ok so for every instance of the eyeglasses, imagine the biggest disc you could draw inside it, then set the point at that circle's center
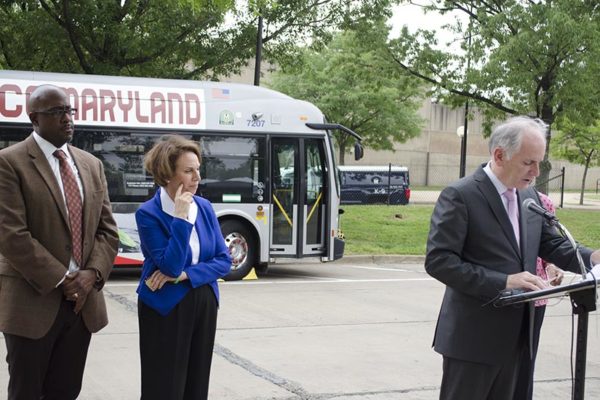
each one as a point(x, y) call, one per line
point(59, 111)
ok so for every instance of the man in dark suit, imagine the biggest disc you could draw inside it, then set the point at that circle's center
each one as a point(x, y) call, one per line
point(476, 251)
point(58, 240)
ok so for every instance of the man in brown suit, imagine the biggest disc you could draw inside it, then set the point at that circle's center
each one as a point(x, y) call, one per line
point(58, 240)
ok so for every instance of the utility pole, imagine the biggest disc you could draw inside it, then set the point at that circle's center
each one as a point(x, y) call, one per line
point(463, 143)
point(259, 43)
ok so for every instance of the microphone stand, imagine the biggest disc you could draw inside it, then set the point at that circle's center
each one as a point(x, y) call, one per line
point(582, 303)
point(565, 232)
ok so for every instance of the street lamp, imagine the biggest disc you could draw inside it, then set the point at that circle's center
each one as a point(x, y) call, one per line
point(462, 133)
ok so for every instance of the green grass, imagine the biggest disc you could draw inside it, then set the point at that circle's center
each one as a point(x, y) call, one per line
point(584, 225)
point(379, 229)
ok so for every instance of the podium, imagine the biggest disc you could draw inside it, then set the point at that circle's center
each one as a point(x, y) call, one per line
point(583, 296)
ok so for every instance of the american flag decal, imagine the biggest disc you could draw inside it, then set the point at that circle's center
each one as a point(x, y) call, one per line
point(220, 93)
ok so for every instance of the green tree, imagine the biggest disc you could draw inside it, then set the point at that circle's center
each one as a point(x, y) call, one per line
point(578, 142)
point(354, 83)
point(536, 58)
point(168, 38)
point(290, 22)
point(129, 37)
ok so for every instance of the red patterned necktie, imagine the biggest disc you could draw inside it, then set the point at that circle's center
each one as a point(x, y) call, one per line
point(74, 204)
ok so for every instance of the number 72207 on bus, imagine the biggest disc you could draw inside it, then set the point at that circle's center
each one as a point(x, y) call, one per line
point(268, 163)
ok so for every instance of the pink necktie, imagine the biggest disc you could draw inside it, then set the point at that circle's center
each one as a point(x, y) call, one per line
point(74, 204)
point(513, 212)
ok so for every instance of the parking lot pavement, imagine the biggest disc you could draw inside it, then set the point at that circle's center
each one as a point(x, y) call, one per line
point(322, 331)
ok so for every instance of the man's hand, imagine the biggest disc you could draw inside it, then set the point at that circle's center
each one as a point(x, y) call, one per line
point(77, 285)
point(525, 280)
point(79, 302)
point(596, 257)
point(555, 274)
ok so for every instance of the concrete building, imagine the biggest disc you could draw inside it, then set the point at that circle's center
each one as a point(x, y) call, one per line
point(433, 158)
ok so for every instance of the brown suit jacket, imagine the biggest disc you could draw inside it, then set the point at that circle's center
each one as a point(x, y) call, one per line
point(35, 239)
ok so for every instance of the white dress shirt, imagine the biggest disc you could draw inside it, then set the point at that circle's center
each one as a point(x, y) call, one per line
point(48, 149)
point(168, 206)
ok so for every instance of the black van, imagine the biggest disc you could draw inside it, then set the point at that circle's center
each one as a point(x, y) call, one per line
point(374, 184)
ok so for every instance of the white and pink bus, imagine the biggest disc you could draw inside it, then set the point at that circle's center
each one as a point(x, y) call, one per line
point(268, 162)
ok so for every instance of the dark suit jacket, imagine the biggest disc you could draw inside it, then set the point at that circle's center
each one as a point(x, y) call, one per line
point(472, 249)
point(35, 239)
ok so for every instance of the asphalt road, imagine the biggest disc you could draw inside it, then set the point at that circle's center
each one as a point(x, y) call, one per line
point(344, 331)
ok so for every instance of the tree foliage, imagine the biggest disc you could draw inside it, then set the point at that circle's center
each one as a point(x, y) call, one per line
point(167, 38)
point(535, 58)
point(353, 81)
point(130, 37)
point(579, 143)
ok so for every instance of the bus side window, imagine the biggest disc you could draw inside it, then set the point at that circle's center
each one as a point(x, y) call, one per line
point(232, 169)
point(122, 154)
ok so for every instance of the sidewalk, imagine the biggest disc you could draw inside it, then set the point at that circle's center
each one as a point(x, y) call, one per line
point(571, 199)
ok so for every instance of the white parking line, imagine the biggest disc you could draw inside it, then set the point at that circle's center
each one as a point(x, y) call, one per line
point(113, 284)
point(266, 281)
point(338, 280)
point(382, 269)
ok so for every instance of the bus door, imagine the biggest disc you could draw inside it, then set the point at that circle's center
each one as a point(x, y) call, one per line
point(299, 197)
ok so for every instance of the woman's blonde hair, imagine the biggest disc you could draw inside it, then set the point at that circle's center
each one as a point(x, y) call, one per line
point(161, 160)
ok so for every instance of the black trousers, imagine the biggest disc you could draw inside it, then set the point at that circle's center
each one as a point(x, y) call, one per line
point(50, 368)
point(524, 389)
point(465, 380)
point(176, 350)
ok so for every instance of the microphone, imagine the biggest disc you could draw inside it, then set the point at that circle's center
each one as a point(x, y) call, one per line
point(531, 205)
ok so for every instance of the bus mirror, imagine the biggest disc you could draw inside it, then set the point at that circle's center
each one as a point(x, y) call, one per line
point(358, 151)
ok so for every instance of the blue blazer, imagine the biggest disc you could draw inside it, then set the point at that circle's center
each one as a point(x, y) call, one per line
point(165, 244)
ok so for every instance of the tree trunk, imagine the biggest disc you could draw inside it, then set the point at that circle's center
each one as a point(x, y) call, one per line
point(541, 183)
point(342, 152)
point(588, 159)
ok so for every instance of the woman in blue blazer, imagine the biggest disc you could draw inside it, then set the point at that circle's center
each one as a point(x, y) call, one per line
point(184, 255)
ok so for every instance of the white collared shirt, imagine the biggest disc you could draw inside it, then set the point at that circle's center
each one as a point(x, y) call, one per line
point(500, 187)
point(168, 206)
point(48, 149)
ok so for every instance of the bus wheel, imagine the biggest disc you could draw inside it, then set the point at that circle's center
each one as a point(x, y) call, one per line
point(242, 248)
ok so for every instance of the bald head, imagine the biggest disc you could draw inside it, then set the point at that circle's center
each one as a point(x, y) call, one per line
point(41, 95)
point(51, 114)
